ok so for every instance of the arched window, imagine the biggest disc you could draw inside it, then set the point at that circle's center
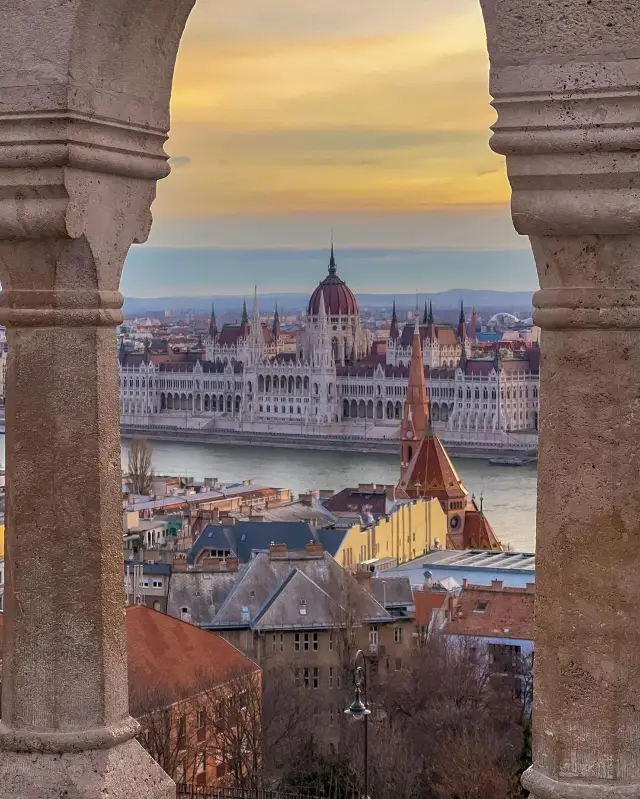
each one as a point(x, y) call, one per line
point(261, 384)
point(276, 383)
point(345, 409)
point(477, 393)
point(306, 384)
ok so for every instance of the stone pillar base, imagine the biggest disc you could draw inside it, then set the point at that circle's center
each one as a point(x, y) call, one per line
point(543, 787)
point(125, 771)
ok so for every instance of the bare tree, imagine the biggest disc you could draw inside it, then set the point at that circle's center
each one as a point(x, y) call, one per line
point(140, 466)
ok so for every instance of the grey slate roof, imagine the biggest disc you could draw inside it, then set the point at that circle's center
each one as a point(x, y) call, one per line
point(391, 591)
point(243, 538)
point(269, 592)
point(201, 592)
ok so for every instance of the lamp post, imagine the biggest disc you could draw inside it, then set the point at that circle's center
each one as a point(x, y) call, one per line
point(359, 710)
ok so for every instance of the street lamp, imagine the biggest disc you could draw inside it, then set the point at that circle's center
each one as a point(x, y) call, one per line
point(358, 709)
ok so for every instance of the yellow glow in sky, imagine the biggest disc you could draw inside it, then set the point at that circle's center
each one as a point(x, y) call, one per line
point(284, 106)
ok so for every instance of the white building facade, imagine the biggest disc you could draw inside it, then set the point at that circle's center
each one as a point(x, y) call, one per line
point(337, 382)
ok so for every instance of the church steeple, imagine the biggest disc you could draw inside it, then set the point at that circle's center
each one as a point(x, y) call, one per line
point(416, 408)
point(213, 327)
point(430, 320)
point(462, 319)
point(425, 315)
point(394, 330)
point(275, 331)
point(462, 323)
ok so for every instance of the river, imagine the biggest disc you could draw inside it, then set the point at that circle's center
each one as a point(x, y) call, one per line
point(509, 492)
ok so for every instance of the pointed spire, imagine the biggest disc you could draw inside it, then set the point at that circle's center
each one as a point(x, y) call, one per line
point(394, 330)
point(462, 319)
point(213, 327)
point(322, 312)
point(463, 356)
point(275, 330)
point(255, 313)
point(431, 319)
point(462, 324)
point(416, 408)
point(425, 315)
point(245, 316)
point(333, 268)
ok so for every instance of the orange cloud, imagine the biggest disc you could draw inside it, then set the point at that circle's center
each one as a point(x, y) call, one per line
point(354, 121)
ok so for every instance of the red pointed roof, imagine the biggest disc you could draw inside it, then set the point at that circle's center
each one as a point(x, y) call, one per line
point(416, 408)
point(431, 473)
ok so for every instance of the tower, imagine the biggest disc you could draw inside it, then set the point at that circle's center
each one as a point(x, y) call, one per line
point(213, 327)
point(394, 331)
point(462, 323)
point(275, 330)
point(415, 418)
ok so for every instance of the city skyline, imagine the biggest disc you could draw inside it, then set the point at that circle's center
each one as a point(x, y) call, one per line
point(290, 120)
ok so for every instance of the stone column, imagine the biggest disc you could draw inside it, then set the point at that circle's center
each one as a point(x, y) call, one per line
point(565, 80)
point(65, 729)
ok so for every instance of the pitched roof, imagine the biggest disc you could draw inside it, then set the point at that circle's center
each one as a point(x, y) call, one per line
point(265, 594)
point(477, 532)
point(426, 602)
point(495, 612)
point(243, 538)
point(431, 473)
point(173, 656)
point(202, 593)
point(353, 500)
point(391, 590)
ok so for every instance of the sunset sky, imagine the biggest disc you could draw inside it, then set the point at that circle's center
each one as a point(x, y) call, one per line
point(291, 118)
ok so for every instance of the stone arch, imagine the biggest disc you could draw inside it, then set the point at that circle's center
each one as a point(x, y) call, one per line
point(214, 403)
point(379, 409)
point(345, 408)
point(435, 412)
point(221, 403)
point(163, 401)
point(444, 412)
point(260, 384)
point(183, 402)
point(354, 409)
point(306, 384)
point(207, 403)
point(229, 403)
point(198, 403)
point(298, 383)
point(389, 410)
point(238, 403)
point(190, 402)
point(267, 384)
point(291, 385)
point(398, 410)
point(276, 383)
point(370, 409)
point(362, 409)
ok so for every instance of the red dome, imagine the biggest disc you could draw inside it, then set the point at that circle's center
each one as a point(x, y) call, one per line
point(339, 300)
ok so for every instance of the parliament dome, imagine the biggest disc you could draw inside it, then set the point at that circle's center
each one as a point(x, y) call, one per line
point(339, 300)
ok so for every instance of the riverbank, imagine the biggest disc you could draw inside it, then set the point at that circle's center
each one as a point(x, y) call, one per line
point(279, 440)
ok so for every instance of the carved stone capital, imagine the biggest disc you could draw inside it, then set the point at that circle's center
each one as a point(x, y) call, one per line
point(75, 193)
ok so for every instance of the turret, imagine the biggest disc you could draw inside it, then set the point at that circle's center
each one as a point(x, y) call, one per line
point(394, 331)
point(462, 323)
point(275, 330)
point(213, 327)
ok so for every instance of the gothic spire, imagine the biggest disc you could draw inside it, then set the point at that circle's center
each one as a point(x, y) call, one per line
point(430, 320)
point(425, 315)
point(276, 324)
point(245, 316)
point(213, 327)
point(333, 268)
point(394, 331)
point(462, 319)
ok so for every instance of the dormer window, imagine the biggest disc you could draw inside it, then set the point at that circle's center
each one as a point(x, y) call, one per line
point(480, 606)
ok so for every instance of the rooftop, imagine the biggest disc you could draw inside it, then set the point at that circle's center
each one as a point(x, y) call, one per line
point(494, 611)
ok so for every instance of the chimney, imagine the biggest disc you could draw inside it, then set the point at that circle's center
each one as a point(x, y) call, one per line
point(363, 576)
point(366, 488)
point(314, 548)
point(464, 583)
point(278, 550)
point(308, 499)
point(497, 585)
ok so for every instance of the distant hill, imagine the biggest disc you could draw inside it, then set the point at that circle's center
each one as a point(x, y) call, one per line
point(482, 299)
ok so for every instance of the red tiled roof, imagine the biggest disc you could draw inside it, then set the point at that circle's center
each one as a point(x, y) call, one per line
point(173, 656)
point(426, 602)
point(508, 612)
point(351, 500)
point(431, 470)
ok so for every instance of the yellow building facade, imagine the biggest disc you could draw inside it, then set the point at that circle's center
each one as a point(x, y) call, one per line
point(411, 530)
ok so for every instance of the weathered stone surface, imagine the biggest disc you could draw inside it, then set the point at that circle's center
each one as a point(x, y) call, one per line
point(565, 80)
point(84, 110)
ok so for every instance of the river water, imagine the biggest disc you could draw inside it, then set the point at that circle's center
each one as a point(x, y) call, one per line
point(509, 492)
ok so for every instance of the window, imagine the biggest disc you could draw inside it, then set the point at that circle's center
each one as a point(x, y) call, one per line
point(480, 606)
point(145, 582)
point(306, 676)
point(398, 664)
point(504, 658)
point(316, 677)
point(202, 765)
point(373, 635)
point(282, 642)
point(397, 635)
point(331, 638)
point(298, 673)
point(305, 642)
point(201, 719)
point(182, 732)
point(314, 640)
point(296, 644)
point(274, 643)
point(157, 583)
point(330, 676)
